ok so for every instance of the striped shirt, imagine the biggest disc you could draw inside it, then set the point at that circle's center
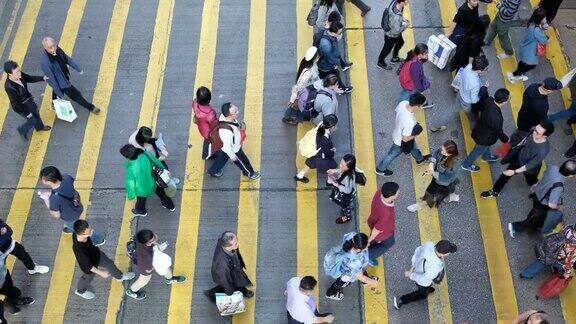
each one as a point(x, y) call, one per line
point(508, 9)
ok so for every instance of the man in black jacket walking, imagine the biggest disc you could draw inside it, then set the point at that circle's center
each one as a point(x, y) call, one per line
point(21, 99)
point(228, 269)
point(488, 130)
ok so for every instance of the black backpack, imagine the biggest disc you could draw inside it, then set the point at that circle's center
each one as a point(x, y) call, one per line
point(131, 251)
point(385, 24)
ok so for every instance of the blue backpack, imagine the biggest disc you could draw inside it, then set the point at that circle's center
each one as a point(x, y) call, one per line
point(333, 261)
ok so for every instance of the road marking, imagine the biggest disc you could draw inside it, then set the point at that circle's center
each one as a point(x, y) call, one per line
point(375, 301)
point(10, 26)
point(190, 206)
point(148, 116)
point(500, 276)
point(64, 263)
point(439, 307)
point(18, 53)
point(306, 194)
point(249, 196)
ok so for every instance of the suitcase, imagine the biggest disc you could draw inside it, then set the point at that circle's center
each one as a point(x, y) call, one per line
point(440, 49)
point(553, 287)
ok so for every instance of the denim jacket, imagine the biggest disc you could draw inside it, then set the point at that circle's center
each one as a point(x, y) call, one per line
point(444, 176)
point(329, 52)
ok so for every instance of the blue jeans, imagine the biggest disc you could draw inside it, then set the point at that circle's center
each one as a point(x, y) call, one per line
point(566, 113)
point(477, 151)
point(377, 249)
point(535, 267)
point(96, 237)
point(393, 153)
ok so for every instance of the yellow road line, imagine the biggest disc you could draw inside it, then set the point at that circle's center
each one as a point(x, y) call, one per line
point(64, 263)
point(249, 196)
point(306, 194)
point(439, 307)
point(10, 26)
point(488, 214)
point(18, 52)
point(375, 301)
point(190, 206)
point(148, 116)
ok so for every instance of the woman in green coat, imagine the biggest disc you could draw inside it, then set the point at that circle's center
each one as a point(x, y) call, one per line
point(139, 181)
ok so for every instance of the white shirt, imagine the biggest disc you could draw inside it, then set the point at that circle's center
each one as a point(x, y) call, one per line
point(297, 303)
point(405, 122)
point(470, 84)
point(427, 265)
point(231, 141)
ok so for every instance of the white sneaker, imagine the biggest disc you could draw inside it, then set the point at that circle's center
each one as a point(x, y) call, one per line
point(454, 197)
point(522, 78)
point(39, 269)
point(127, 276)
point(511, 230)
point(86, 295)
point(502, 56)
point(414, 207)
point(511, 77)
point(176, 181)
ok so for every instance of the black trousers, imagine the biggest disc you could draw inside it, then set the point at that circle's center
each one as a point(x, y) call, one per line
point(523, 68)
point(420, 293)
point(358, 3)
point(20, 253)
point(530, 176)
point(35, 121)
point(323, 74)
point(389, 43)
point(243, 163)
point(166, 201)
point(76, 96)
point(219, 289)
point(10, 291)
point(336, 287)
point(291, 320)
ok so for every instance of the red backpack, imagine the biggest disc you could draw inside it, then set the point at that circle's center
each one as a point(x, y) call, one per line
point(216, 143)
point(404, 75)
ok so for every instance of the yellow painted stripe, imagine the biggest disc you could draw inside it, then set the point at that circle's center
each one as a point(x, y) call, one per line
point(439, 308)
point(10, 26)
point(249, 196)
point(375, 301)
point(18, 52)
point(488, 214)
point(190, 207)
point(148, 116)
point(64, 263)
point(306, 194)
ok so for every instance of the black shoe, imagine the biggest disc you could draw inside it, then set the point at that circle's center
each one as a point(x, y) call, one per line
point(486, 1)
point(346, 66)
point(136, 213)
point(384, 66)
point(248, 294)
point(303, 179)
point(95, 110)
point(489, 194)
point(46, 128)
point(364, 13)
point(66, 230)
point(570, 153)
point(571, 120)
point(396, 60)
point(424, 159)
point(210, 296)
point(15, 310)
point(24, 135)
point(347, 89)
point(385, 173)
point(397, 303)
point(290, 121)
point(170, 208)
point(25, 301)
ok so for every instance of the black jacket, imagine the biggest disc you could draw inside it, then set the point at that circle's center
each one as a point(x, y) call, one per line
point(534, 108)
point(228, 271)
point(488, 129)
point(21, 99)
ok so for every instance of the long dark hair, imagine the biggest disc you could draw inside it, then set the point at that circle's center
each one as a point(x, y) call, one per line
point(304, 64)
point(359, 241)
point(328, 3)
point(420, 48)
point(451, 149)
point(350, 161)
point(144, 136)
point(537, 16)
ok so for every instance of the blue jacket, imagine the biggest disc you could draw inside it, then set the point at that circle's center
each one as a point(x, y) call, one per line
point(527, 50)
point(329, 53)
point(444, 176)
point(58, 79)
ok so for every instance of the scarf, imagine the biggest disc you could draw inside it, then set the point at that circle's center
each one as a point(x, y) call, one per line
point(59, 58)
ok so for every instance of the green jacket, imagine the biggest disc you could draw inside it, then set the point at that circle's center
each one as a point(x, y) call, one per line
point(139, 180)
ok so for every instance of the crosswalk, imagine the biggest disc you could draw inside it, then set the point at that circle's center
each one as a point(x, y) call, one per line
point(265, 90)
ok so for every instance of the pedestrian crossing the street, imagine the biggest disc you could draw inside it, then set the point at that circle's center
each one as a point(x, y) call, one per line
point(142, 65)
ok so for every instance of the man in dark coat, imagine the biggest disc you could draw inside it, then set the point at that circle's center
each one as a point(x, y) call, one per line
point(488, 130)
point(228, 269)
point(55, 65)
point(21, 99)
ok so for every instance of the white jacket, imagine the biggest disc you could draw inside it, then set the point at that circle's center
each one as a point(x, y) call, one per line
point(427, 265)
point(231, 143)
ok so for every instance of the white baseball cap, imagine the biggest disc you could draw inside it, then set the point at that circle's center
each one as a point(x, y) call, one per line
point(310, 53)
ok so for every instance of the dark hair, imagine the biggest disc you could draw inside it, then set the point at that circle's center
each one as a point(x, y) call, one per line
point(419, 49)
point(144, 236)
point(80, 226)
point(389, 189)
point(548, 126)
point(328, 3)
point(304, 64)
point(334, 16)
point(537, 16)
point(308, 283)
point(416, 99)
point(328, 122)
point(130, 152)
point(350, 161)
point(51, 173)
point(226, 109)
point(335, 26)
point(480, 63)
point(330, 80)
point(10, 66)
point(359, 241)
point(478, 27)
point(568, 168)
point(452, 149)
point(203, 96)
point(144, 135)
point(226, 238)
point(501, 95)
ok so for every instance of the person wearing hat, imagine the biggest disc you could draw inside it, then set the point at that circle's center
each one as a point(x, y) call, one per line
point(427, 268)
point(382, 221)
point(534, 107)
point(307, 74)
point(324, 158)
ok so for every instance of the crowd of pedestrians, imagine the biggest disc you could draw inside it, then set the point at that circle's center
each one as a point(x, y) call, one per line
point(319, 81)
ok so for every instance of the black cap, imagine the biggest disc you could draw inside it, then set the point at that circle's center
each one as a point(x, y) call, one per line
point(445, 246)
point(552, 84)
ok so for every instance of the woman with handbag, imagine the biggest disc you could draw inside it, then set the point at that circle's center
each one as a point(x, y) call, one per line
point(348, 263)
point(307, 74)
point(443, 171)
point(140, 182)
point(343, 182)
point(143, 139)
point(532, 47)
point(205, 116)
point(324, 158)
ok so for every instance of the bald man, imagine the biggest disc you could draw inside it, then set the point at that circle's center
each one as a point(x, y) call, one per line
point(55, 66)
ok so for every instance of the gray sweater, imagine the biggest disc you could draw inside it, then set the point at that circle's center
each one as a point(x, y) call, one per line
point(508, 9)
point(396, 21)
point(323, 104)
point(533, 154)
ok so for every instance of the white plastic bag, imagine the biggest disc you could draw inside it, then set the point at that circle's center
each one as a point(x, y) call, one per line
point(161, 261)
point(568, 77)
point(64, 110)
point(230, 305)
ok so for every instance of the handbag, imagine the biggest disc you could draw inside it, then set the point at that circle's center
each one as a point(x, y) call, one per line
point(553, 287)
point(160, 174)
point(541, 50)
point(339, 198)
point(502, 150)
point(360, 177)
point(514, 152)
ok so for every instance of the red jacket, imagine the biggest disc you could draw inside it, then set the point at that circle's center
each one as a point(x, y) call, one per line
point(206, 118)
